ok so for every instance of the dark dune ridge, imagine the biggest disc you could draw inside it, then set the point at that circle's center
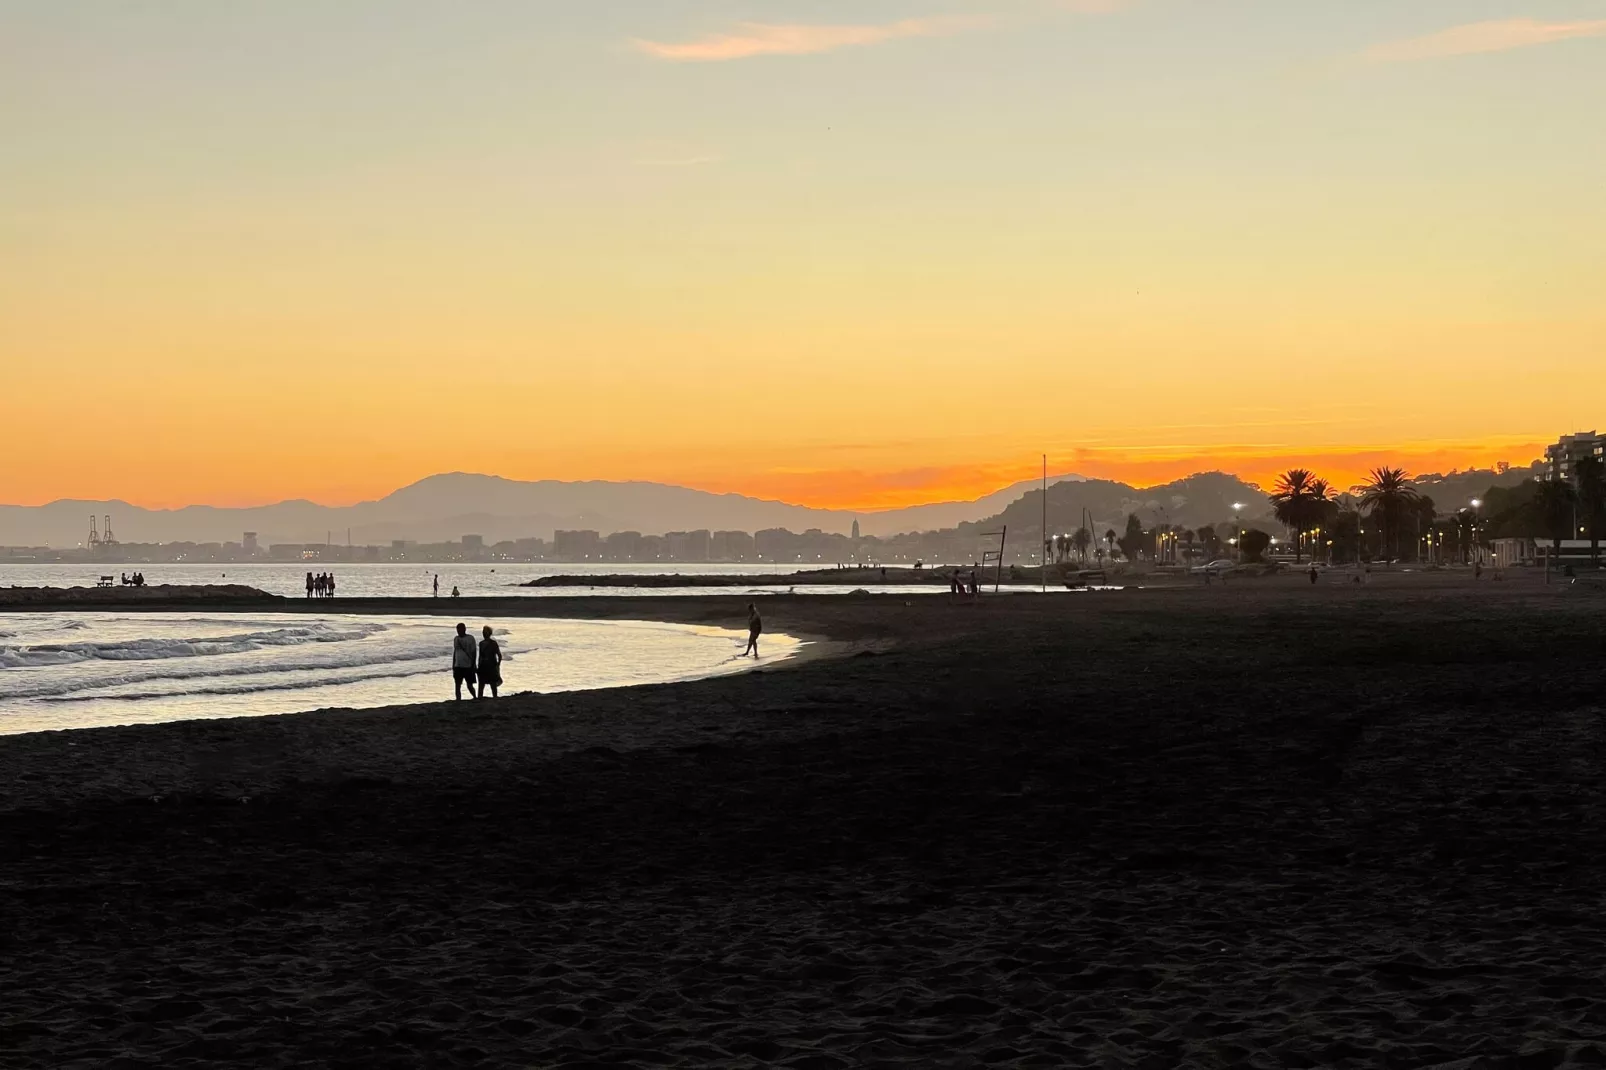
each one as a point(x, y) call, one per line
point(832, 577)
point(184, 596)
point(1261, 825)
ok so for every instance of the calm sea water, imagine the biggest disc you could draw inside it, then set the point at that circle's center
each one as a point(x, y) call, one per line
point(414, 581)
point(78, 670)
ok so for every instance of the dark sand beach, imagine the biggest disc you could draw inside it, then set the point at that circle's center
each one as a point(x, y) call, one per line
point(1264, 825)
point(913, 577)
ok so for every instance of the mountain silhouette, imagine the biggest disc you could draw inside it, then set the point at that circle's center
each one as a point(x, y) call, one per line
point(449, 506)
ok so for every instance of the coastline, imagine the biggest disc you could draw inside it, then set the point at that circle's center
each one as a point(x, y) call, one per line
point(260, 753)
point(1264, 824)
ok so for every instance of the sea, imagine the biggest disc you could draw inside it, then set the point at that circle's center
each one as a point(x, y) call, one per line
point(89, 669)
point(393, 580)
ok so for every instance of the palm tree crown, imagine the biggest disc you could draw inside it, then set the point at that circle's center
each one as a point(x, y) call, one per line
point(1388, 490)
point(1299, 500)
point(1386, 495)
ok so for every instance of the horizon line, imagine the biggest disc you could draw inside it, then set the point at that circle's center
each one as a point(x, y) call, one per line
point(845, 511)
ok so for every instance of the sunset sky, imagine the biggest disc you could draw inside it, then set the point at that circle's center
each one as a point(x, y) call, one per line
point(850, 253)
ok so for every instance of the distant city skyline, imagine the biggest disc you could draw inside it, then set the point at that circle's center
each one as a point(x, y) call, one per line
point(1168, 470)
point(835, 253)
point(964, 483)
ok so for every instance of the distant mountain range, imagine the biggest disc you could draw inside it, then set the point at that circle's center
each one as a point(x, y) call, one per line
point(941, 515)
point(1204, 498)
point(437, 509)
point(447, 507)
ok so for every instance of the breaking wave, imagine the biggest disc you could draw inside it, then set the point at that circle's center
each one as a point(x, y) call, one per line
point(147, 649)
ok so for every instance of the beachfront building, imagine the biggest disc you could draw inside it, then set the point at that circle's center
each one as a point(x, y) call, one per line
point(1570, 552)
point(624, 546)
point(687, 545)
point(1562, 457)
point(1508, 552)
point(576, 545)
point(731, 546)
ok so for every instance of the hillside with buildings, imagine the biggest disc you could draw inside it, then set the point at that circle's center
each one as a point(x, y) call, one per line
point(461, 517)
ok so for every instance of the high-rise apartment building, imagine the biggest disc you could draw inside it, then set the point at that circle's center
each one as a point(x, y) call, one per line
point(1561, 458)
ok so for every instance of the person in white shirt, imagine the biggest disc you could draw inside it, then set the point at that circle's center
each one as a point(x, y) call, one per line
point(464, 651)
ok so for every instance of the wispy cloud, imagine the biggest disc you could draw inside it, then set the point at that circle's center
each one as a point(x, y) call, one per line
point(1498, 35)
point(767, 39)
point(1094, 7)
point(678, 161)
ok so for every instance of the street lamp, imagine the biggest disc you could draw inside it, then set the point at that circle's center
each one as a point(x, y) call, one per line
point(1477, 544)
point(1237, 508)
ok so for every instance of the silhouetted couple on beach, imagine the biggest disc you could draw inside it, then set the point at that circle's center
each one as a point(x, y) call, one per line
point(961, 587)
point(470, 664)
point(322, 585)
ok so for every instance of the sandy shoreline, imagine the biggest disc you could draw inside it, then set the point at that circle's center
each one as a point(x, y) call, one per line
point(1266, 826)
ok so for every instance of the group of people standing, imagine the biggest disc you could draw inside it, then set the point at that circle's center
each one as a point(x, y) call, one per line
point(962, 586)
point(322, 585)
point(473, 665)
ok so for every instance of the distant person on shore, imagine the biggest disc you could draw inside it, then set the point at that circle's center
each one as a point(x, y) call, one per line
point(437, 589)
point(456, 593)
point(463, 656)
point(755, 628)
point(309, 585)
point(331, 585)
point(975, 588)
point(490, 663)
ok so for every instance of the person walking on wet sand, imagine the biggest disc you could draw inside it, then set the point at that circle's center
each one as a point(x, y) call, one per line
point(490, 664)
point(755, 628)
point(309, 585)
point(463, 653)
point(436, 591)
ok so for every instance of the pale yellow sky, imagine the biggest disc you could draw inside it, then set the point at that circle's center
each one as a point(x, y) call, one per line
point(849, 254)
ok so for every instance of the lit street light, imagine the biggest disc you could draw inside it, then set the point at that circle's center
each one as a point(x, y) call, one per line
point(1477, 544)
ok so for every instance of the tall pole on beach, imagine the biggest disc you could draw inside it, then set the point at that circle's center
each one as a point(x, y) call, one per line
point(1042, 562)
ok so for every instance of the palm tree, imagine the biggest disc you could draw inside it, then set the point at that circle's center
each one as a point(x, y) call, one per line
point(1082, 539)
point(1109, 540)
point(1466, 528)
point(1554, 502)
point(1386, 496)
point(1323, 509)
point(1590, 475)
point(1294, 502)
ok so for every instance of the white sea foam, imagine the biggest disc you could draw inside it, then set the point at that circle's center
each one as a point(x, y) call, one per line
point(159, 648)
point(79, 669)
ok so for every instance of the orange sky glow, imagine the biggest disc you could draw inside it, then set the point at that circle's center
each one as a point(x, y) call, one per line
point(855, 262)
